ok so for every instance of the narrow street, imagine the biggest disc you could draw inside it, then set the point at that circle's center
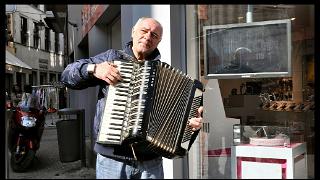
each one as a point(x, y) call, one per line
point(47, 164)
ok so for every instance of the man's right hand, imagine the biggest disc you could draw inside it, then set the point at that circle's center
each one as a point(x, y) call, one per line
point(108, 72)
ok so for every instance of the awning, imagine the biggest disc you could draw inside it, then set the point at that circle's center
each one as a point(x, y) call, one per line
point(13, 60)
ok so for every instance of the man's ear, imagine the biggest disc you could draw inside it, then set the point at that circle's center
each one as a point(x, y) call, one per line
point(132, 31)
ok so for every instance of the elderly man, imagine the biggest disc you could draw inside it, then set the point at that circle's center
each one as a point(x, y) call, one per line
point(118, 161)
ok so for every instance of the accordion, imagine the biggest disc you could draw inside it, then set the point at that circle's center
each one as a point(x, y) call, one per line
point(152, 104)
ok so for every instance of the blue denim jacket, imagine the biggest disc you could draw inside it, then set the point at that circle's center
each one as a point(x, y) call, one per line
point(75, 76)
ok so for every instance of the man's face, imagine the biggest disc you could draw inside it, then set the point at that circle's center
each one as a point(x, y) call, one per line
point(146, 37)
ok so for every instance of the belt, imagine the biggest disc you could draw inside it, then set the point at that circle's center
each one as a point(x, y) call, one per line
point(128, 159)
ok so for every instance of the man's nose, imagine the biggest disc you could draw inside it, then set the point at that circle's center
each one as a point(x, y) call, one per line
point(148, 35)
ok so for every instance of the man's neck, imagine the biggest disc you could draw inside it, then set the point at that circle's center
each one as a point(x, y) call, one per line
point(138, 56)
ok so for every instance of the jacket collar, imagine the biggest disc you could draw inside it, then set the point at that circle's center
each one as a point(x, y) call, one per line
point(155, 55)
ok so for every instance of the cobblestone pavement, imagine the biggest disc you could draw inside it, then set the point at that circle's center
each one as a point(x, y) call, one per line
point(47, 164)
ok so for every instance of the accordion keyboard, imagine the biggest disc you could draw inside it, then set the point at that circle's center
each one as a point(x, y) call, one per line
point(110, 130)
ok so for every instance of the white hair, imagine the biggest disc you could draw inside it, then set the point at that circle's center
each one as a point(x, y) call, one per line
point(144, 18)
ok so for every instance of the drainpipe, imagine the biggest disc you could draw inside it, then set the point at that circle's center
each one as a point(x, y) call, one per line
point(249, 14)
point(67, 49)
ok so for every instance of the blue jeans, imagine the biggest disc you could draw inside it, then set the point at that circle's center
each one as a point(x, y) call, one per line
point(108, 168)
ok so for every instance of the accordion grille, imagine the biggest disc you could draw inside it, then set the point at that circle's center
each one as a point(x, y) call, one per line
point(171, 97)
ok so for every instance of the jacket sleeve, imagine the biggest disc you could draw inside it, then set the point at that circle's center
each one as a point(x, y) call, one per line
point(75, 75)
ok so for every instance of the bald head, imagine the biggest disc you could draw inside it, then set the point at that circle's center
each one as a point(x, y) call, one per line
point(146, 35)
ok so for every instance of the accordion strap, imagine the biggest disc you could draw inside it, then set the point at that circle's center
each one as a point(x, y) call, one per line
point(134, 154)
point(193, 138)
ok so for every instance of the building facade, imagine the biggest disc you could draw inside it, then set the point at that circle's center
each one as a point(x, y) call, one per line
point(184, 46)
point(30, 40)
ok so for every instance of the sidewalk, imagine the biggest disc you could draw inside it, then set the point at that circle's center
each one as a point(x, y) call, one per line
point(47, 164)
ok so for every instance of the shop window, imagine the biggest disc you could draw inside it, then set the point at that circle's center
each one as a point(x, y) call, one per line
point(52, 77)
point(286, 101)
point(43, 78)
point(34, 79)
point(30, 79)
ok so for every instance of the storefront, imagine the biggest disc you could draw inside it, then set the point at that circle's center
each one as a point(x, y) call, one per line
point(277, 41)
point(17, 71)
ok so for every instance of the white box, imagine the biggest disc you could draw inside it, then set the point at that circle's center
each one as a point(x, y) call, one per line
point(271, 162)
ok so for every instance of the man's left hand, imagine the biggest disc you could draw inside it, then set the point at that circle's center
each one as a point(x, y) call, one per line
point(196, 123)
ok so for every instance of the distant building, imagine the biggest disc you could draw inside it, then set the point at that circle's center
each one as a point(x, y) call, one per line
point(35, 52)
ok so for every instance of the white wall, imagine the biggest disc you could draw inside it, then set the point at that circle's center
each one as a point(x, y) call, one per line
point(129, 15)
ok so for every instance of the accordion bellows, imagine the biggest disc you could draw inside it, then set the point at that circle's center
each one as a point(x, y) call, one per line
point(151, 105)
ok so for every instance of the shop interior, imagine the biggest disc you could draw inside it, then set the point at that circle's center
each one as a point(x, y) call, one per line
point(284, 101)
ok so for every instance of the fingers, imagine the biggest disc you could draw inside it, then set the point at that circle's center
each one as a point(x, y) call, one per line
point(108, 72)
point(200, 111)
point(195, 123)
point(113, 75)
